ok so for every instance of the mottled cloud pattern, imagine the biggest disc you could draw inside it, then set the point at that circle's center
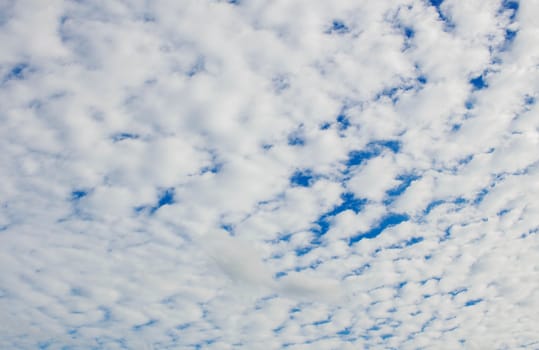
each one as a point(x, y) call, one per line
point(252, 174)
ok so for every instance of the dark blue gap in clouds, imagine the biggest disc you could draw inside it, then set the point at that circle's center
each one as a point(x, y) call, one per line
point(503, 212)
point(345, 331)
point(388, 221)
point(391, 93)
point(409, 32)
point(469, 104)
point(124, 136)
point(480, 196)
point(322, 322)
point(338, 27)
point(343, 122)
point(228, 228)
point(510, 36)
point(325, 126)
point(457, 291)
point(510, 5)
point(78, 194)
point(472, 302)
point(139, 327)
point(17, 72)
point(529, 100)
point(362, 269)
point(512, 8)
point(214, 168)
point(373, 149)
point(295, 139)
point(478, 83)
point(349, 202)
point(166, 197)
point(432, 205)
point(302, 178)
point(406, 180)
point(407, 243)
point(447, 22)
point(322, 224)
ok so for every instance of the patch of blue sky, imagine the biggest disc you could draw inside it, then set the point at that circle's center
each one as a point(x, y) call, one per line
point(214, 168)
point(511, 6)
point(386, 336)
point(433, 205)
point(480, 196)
point(302, 178)
point(124, 136)
point(409, 32)
point(427, 323)
point(228, 228)
point(470, 103)
point(215, 165)
point(165, 197)
point(280, 274)
point(478, 83)
point(391, 93)
point(407, 243)
point(405, 182)
point(141, 326)
point(362, 269)
point(345, 332)
point(304, 250)
point(338, 27)
point(472, 302)
point(321, 322)
point(17, 72)
point(278, 329)
point(348, 202)
point(434, 278)
point(373, 149)
point(509, 38)
point(78, 194)
point(457, 291)
point(422, 79)
point(503, 212)
point(325, 126)
point(388, 221)
point(437, 4)
point(529, 100)
point(296, 138)
point(343, 122)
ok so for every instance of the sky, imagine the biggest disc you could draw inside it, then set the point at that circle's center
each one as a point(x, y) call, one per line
point(284, 174)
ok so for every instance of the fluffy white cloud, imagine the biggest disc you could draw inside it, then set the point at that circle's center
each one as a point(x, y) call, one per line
point(266, 175)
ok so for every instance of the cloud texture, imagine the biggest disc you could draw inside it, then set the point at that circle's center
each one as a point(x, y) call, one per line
point(252, 174)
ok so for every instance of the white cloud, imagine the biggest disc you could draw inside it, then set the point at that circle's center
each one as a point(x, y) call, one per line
point(260, 175)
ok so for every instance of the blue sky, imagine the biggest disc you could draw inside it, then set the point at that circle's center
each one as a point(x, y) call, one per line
point(251, 174)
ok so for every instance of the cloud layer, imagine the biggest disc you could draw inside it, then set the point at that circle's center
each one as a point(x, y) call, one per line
point(268, 175)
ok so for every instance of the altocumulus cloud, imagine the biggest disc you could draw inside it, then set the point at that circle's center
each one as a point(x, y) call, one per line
point(252, 174)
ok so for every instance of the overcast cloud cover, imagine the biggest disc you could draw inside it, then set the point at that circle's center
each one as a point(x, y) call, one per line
point(253, 174)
